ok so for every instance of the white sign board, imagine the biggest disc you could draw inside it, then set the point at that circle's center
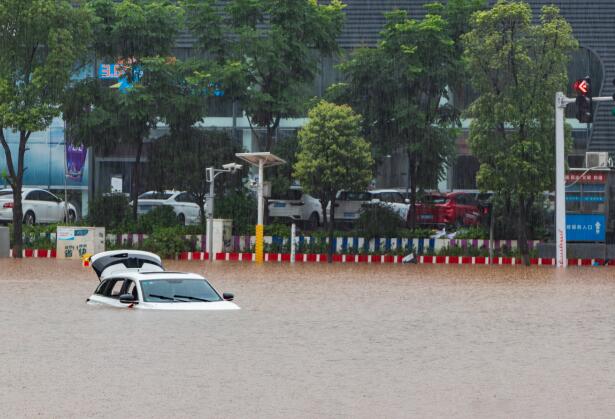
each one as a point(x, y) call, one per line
point(116, 184)
point(74, 242)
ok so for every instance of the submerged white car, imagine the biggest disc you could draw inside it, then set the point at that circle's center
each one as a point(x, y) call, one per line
point(137, 279)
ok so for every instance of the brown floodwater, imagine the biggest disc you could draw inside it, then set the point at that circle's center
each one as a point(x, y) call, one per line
point(349, 341)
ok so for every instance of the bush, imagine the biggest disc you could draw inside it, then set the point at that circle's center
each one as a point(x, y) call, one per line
point(240, 207)
point(166, 242)
point(471, 233)
point(376, 220)
point(277, 229)
point(110, 211)
point(161, 216)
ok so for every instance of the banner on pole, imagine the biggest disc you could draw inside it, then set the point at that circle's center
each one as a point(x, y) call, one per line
point(75, 161)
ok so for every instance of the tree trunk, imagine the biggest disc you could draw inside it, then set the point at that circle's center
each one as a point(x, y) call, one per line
point(17, 197)
point(17, 219)
point(325, 220)
point(522, 231)
point(135, 181)
point(412, 168)
point(331, 227)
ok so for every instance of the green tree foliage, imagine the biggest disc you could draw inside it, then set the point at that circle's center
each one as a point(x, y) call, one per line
point(517, 67)
point(40, 42)
point(332, 155)
point(136, 33)
point(179, 160)
point(401, 87)
point(274, 51)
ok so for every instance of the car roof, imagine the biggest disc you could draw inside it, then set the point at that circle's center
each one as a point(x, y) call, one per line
point(152, 276)
point(23, 190)
point(383, 190)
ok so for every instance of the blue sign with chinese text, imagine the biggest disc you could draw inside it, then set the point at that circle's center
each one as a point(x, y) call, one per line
point(585, 227)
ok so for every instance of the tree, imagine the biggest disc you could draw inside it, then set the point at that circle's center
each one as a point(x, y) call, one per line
point(517, 67)
point(278, 44)
point(40, 43)
point(179, 160)
point(399, 87)
point(332, 156)
point(133, 34)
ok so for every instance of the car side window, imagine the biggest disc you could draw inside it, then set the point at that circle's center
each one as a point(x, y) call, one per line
point(46, 196)
point(102, 287)
point(131, 288)
point(114, 288)
point(32, 196)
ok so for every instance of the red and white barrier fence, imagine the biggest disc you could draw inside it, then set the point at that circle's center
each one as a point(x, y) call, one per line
point(390, 259)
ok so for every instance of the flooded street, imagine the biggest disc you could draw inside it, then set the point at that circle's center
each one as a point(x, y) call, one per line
point(314, 341)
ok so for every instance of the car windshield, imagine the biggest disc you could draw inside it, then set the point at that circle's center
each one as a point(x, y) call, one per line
point(155, 195)
point(435, 199)
point(6, 192)
point(176, 289)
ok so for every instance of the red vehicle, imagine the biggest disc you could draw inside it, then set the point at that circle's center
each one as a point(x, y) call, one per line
point(452, 209)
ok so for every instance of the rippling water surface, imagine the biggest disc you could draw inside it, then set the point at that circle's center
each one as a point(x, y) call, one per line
point(314, 341)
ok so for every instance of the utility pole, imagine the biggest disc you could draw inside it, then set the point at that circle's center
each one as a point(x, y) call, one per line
point(561, 101)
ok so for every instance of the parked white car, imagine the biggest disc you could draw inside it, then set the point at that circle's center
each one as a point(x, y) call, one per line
point(182, 203)
point(297, 206)
point(348, 204)
point(137, 279)
point(38, 206)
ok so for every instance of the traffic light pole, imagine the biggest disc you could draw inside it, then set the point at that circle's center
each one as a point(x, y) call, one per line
point(561, 101)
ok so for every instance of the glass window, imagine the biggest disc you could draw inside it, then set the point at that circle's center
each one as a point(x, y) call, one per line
point(101, 287)
point(33, 196)
point(5, 192)
point(291, 195)
point(172, 289)
point(155, 195)
point(115, 290)
point(358, 196)
point(435, 199)
point(47, 196)
point(131, 288)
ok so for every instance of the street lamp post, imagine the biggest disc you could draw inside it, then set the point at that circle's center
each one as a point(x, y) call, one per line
point(261, 160)
point(210, 175)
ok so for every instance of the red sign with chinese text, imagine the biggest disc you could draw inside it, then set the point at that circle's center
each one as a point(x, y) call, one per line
point(589, 177)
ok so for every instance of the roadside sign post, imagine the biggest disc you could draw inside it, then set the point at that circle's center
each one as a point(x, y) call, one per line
point(561, 101)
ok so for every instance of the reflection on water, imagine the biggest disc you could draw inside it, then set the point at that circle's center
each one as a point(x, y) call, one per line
point(314, 341)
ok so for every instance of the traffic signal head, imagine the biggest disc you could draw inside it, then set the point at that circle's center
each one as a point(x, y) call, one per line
point(583, 87)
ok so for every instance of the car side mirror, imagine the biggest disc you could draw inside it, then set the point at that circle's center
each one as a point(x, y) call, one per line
point(128, 299)
point(228, 296)
point(406, 200)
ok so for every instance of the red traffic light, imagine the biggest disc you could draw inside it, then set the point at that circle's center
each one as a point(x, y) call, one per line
point(581, 86)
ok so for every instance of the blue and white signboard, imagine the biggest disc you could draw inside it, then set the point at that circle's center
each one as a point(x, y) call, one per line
point(585, 227)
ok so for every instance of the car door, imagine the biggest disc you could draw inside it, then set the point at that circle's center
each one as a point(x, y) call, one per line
point(184, 204)
point(54, 205)
point(36, 204)
point(109, 291)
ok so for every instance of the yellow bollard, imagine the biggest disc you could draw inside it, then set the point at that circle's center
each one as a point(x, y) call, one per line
point(259, 247)
point(86, 260)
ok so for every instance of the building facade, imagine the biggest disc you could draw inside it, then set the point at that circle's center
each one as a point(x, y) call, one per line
point(592, 23)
